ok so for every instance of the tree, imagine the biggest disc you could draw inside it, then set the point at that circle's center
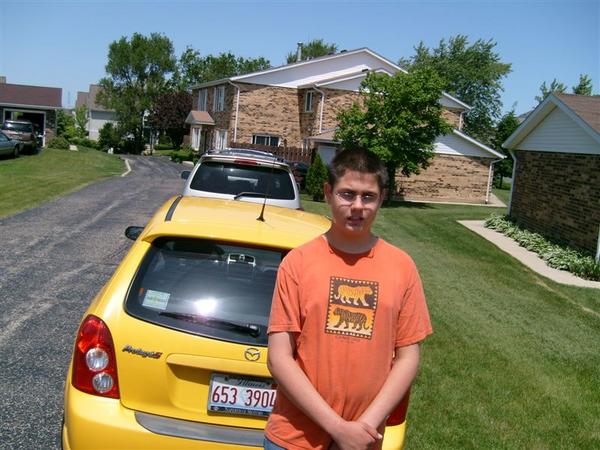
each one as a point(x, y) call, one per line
point(471, 72)
point(312, 49)
point(315, 178)
point(399, 119)
point(169, 113)
point(81, 119)
point(555, 86)
point(138, 71)
point(195, 69)
point(65, 125)
point(505, 127)
point(109, 136)
point(584, 87)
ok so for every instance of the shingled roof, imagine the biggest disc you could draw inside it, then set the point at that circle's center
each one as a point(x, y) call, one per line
point(587, 107)
point(24, 95)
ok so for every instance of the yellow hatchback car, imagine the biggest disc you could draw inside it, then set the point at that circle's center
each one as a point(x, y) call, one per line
point(171, 354)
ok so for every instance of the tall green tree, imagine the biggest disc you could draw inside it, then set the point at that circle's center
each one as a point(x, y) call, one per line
point(505, 127)
point(81, 119)
point(169, 113)
point(545, 91)
point(194, 69)
point(398, 118)
point(584, 87)
point(138, 71)
point(312, 49)
point(471, 72)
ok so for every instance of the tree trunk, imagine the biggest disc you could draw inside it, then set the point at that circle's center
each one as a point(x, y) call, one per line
point(391, 189)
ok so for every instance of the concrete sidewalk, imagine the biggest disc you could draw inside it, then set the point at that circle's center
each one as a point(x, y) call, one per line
point(530, 259)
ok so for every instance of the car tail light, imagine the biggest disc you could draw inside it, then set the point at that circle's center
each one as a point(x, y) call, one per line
point(398, 415)
point(94, 362)
point(248, 162)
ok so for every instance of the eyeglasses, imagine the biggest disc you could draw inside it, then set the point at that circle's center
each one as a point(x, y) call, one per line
point(348, 197)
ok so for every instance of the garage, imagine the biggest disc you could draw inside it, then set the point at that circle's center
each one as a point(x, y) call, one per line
point(37, 104)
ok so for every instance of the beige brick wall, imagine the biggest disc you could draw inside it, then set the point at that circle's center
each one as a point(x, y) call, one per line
point(558, 195)
point(448, 178)
point(269, 110)
point(452, 116)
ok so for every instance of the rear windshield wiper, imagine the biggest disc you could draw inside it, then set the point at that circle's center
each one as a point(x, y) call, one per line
point(250, 328)
point(249, 194)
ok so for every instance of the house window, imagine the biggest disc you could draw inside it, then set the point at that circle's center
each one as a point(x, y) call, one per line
point(308, 102)
point(202, 95)
point(264, 139)
point(221, 139)
point(219, 98)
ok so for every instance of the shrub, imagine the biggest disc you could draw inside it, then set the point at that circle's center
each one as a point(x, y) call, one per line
point(84, 142)
point(109, 137)
point(181, 155)
point(555, 255)
point(163, 146)
point(58, 142)
point(315, 178)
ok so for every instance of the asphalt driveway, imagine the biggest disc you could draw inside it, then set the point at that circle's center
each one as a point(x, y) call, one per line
point(53, 260)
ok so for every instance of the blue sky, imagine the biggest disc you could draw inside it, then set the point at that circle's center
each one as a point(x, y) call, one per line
point(65, 43)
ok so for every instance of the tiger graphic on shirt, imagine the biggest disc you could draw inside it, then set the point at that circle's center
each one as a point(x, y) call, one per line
point(351, 307)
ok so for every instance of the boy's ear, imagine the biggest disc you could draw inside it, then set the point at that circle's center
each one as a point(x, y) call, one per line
point(327, 190)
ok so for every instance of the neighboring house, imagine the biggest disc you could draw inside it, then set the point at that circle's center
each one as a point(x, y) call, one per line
point(556, 175)
point(98, 115)
point(296, 105)
point(37, 104)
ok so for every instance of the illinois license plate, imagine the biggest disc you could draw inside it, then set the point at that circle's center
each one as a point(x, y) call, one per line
point(235, 394)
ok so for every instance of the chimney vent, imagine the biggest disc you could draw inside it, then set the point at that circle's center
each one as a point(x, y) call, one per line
point(299, 52)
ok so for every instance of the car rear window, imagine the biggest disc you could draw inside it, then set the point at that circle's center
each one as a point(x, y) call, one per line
point(215, 289)
point(232, 178)
point(24, 127)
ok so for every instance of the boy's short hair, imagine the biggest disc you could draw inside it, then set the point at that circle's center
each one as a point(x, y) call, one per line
point(360, 160)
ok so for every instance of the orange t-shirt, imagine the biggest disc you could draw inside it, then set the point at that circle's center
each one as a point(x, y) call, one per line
point(347, 314)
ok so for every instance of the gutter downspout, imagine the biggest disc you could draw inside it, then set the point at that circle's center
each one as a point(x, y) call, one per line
point(322, 108)
point(237, 108)
point(489, 183)
point(598, 248)
point(512, 188)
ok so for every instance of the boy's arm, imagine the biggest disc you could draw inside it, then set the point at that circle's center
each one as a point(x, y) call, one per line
point(397, 383)
point(299, 390)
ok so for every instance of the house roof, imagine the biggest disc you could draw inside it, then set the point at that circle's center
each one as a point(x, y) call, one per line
point(325, 70)
point(33, 96)
point(89, 99)
point(455, 143)
point(196, 117)
point(584, 110)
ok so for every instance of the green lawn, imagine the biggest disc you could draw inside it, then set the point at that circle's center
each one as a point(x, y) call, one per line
point(514, 361)
point(502, 194)
point(30, 180)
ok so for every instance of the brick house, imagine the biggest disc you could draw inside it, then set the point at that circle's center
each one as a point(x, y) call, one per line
point(37, 104)
point(296, 105)
point(556, 177)
point(98, 115)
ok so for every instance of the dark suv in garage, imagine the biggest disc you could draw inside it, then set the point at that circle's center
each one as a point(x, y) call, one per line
point(23, 131)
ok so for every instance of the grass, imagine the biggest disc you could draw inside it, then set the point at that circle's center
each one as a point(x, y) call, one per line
point(31, 180)
point(502, 194)
point(513, 361)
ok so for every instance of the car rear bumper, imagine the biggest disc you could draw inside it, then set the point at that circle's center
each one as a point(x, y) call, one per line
point(93, 422)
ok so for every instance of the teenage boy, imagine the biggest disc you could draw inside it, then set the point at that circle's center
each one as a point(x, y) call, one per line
point(347, 317)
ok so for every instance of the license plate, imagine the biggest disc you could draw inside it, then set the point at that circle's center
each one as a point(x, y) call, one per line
point(235, 394)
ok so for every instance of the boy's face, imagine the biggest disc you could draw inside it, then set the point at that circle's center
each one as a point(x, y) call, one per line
point(354, 200)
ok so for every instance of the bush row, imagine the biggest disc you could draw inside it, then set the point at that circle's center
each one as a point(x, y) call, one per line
point(556, 256)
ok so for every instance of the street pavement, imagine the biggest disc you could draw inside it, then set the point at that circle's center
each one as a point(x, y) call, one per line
point(53, 260)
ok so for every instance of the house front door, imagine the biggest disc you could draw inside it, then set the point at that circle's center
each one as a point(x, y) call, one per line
point(196, 134)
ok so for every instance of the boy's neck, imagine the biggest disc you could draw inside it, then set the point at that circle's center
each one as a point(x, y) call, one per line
point(360, 243)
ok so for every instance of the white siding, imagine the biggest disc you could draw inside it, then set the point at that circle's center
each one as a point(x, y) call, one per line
point(451, 144)
point(97, 121)
point(559, 133)
point(313, 72)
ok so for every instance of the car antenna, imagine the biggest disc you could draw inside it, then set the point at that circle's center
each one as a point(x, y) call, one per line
point(262, 211)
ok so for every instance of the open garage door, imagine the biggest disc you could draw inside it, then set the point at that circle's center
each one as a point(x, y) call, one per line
point(38, 119)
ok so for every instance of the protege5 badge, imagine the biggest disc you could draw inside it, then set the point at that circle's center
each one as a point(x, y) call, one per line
point(140, 352)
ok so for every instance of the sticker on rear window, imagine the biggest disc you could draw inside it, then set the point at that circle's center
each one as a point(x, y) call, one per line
point(156, 299)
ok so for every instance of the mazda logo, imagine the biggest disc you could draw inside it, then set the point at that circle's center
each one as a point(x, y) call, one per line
point(252, 354)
